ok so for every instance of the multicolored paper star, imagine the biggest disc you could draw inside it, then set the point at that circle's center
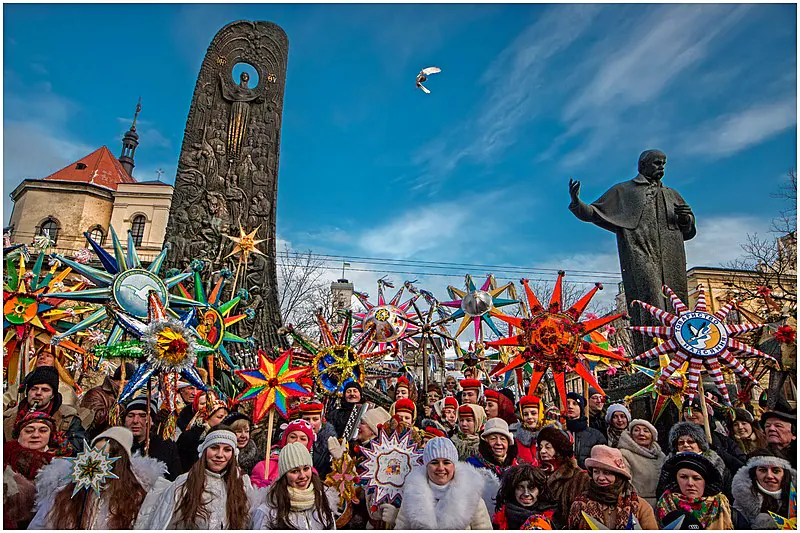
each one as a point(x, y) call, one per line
point(384, 324)
point(271, 384)
point(553, 338)
point(676, 386)
point(700, 338)
point(387, 463)
point(476, 305)
point(789, 522)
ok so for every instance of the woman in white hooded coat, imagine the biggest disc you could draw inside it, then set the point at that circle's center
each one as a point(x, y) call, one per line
point(117, 504)
point(760, 487)
point(444, 494)
point(214, 494)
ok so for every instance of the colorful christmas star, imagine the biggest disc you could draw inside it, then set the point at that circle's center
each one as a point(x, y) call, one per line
point(700, 338)
point(91, 468)
point(383, 324)
point(553, 338)
point(387, 463)
point(122, 284)
point(337, 361)
point(675, 390)
point(271, 384)
point(168, 344)
point(476, 305)
point(343, 478)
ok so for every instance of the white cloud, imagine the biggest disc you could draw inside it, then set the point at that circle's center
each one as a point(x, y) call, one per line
point(719, 239)
point(731, 133)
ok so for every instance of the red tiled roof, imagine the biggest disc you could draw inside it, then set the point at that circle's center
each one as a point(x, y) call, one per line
point(99, 168)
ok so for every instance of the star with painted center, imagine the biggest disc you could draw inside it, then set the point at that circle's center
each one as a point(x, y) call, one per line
point(553, 338)
point(386, 323)
point(476, 305)
point(700, 338)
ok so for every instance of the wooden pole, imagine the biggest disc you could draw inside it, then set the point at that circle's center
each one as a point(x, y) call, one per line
point(704, 409)
point(147, 427)
point(270, 421)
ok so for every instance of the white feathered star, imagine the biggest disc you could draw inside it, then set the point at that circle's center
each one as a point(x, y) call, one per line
point(423, 76)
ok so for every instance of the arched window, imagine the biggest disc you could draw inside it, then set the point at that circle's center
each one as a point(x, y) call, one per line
point(137, 229)
point(50, 227)
point(96, 233)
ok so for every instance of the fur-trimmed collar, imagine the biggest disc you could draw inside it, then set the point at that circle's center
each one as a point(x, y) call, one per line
point(521, 434)
point(626, 442)
point(454, 511)
point(55, 476)
point(747, 499)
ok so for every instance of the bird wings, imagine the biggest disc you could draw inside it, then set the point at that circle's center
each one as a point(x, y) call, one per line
point(431, 70)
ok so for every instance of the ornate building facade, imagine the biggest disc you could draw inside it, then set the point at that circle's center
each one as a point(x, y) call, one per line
point(91, 195)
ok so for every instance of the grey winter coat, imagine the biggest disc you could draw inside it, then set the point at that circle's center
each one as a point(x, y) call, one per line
point(585, 440)
point(644, 464)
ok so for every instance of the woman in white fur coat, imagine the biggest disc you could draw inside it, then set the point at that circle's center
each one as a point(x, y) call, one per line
point(761, 486)
point(445, 494)
point(641, 452)
point(118, 503)
point(214, 494)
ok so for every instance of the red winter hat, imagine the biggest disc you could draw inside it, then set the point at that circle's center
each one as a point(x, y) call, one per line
point(470, 384)
point(402, 381)
point(491, 394)
point(405, 405)
point(299, 425)
point(432, 431)
point(450, 401)
point(466, 410)
point(311, 408)
point(530, 400)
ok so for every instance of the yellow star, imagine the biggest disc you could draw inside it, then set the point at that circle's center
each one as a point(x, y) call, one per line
point(245, 242)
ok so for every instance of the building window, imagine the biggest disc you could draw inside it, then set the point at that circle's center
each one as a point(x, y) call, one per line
point(49, 227)
point(137, 229)
point(96, 234)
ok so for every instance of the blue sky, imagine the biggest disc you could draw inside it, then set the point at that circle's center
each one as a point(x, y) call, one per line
point(475, 172)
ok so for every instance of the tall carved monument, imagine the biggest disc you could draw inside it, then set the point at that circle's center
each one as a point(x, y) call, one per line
point(228, 169)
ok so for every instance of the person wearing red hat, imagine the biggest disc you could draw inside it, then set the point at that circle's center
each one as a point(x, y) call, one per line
point(471, 418)
point(499, 406)
point(470, 391)
point(311, 412)
point(531, 410)
point(402, 389)
point(431, 432)
point(405, 410)
point(296, 431)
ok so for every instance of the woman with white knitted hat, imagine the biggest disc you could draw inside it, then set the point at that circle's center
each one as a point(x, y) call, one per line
point(644, 458)
point(119, 500)
point(213, 494)
point(298, 499)
point(444, 494)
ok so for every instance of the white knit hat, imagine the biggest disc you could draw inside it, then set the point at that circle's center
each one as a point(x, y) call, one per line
point(293, 455)
point(617, 408)
point(639, 422)
point(497, 426)
point(219, 436)
point(439, 448)
point(120, 434)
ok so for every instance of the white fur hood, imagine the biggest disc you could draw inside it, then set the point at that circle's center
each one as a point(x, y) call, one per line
point(747, 499)
point(454, 511)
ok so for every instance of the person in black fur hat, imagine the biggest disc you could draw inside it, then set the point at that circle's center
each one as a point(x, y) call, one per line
point(578, 424)
point(565, 480)
point(40, 388)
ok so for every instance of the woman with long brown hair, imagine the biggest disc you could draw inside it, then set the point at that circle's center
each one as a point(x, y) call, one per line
point(117, 504)
point(213, 494)
point(298, 499)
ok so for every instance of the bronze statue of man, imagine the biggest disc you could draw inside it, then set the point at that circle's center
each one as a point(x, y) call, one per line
point(651, 222)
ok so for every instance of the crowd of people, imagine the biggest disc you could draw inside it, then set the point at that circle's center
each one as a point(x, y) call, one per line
point(490, 461)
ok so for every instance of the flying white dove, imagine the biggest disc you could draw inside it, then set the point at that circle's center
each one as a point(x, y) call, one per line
point(423, 76)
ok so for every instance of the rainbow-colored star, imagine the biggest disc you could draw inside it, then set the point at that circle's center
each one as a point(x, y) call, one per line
point(271, 384)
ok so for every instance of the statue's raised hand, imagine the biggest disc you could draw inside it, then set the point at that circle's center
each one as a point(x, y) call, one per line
point(574, 190)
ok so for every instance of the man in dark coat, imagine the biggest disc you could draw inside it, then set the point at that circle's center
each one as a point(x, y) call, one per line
point(351, 399)
point(136, 419)
point(597, 418)
point(577, 423)
point(780, 427)
point(651, 222)
point(101, 399)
